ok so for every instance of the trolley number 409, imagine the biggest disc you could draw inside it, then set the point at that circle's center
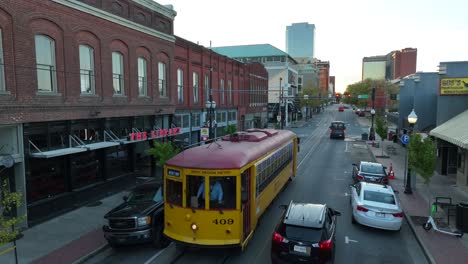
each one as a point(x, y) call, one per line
point(228, 221)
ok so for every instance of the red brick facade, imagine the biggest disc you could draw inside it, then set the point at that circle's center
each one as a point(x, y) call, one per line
point(21, 20)
point(405, 62)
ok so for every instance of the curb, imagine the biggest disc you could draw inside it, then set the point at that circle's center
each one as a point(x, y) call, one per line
point(91, 254)
point(425, 250)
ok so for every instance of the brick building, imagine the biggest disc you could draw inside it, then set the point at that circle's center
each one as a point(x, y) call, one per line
point(84, 86)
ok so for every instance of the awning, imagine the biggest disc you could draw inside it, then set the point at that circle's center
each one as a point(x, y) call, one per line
point(454, 130)
point(57, 152)
point(100, 145)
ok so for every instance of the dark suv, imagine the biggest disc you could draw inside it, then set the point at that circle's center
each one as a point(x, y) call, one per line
point(337, 129)
point(306, 233)
point(370, 172)
point(139, 219)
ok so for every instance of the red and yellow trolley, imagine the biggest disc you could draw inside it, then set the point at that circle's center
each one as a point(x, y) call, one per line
point(242, 174)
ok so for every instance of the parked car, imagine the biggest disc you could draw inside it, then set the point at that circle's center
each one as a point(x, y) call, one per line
point(305, 233)
point(337, 129)
point(370, 172)
point(139, 219)
point(341, 109)
point(375, 205)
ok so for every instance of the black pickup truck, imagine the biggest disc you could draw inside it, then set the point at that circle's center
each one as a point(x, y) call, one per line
point(139, 219)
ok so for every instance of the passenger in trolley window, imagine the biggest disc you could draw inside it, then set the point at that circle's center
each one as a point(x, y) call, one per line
point(216, 193)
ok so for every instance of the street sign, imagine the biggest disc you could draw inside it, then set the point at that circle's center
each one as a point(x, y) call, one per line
point(204, 133)
point(363, 96)
point(278, 117)
point(405, 139)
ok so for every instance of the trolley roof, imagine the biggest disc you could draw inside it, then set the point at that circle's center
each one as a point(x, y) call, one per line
point(234, 151)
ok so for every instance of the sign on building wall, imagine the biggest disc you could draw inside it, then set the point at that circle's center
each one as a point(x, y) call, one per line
point(454, 86)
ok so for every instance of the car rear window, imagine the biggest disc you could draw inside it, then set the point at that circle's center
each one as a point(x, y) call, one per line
point(337, 126)
point(379, 197)
point(376, 169)
point(303, 233)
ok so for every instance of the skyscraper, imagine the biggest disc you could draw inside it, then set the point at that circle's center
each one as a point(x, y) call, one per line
point(300, 40)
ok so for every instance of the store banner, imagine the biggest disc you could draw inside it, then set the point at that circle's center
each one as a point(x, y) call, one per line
point(454, 86)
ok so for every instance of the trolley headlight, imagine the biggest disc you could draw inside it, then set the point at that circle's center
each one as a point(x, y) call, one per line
point(143, 221)
point(194, 227)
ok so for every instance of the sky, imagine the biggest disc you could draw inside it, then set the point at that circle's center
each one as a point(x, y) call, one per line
point(345, 30)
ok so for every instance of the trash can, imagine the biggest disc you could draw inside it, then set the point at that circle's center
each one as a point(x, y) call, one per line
point(390, 135)
point(462, 217)
point(364, 136)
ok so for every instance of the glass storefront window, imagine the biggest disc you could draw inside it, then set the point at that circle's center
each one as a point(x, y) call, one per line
point(58, 135)
point(174, 192)
point(45, 178)
point(117, 162)
point(85, 169)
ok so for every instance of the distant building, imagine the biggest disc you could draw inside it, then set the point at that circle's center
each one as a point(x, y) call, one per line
point(300, 40)
point(395, 65)
point(331, 88)
point(323, 68)
point(374, 67)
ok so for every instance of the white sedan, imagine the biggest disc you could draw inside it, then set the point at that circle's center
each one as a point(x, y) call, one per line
point(375, 205)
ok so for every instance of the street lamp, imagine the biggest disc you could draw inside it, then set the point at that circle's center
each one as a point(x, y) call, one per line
point(211, 105)
point(412, 118)
point(280, 108)
point(372, 132)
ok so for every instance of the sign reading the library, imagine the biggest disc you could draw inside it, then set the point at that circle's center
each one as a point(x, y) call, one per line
point(155, 133)
point(454, 86)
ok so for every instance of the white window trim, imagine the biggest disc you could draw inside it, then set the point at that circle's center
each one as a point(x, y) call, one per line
point(2, 66)
point(144, 90)
point(222, 92)
point(195, 87)
point(53, 66)
point(180, 86)
point(121, 74)
point(162, 85)
point(90, 71)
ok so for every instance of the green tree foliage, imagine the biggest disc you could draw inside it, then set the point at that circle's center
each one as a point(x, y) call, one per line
point(422, 156)
point(365, 88)
point(313, 94)
point(10, 201)
point(162, 152)
point(381, 128)
point(231, 129)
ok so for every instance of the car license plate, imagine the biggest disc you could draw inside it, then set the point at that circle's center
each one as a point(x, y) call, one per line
point(380, 214)
point(300, 249)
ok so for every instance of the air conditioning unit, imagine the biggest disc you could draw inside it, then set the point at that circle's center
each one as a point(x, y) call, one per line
point(442, 68)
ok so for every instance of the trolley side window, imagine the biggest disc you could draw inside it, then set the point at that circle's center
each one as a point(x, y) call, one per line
point(222, 192)
point(195, 191)
point(174, 192)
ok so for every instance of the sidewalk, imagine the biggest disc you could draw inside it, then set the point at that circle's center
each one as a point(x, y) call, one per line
point(438, 247)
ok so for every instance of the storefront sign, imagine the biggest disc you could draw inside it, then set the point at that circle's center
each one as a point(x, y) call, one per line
point(204, 133)
point(454, 86)
point(155, 134)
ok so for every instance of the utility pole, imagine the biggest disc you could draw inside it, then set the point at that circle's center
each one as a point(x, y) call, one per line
point(280, 108)
point(211, 95)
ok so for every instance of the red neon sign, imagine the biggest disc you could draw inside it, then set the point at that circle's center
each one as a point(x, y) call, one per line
point(155, 133)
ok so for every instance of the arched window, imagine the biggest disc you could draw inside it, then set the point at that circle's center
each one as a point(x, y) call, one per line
point(2, 65)
point(195, 87)
point(87, 70)
point(180, 85)
point(117, 73)
point(162, 79)
point(142, 77)
point(222, 92)
point(45, 64)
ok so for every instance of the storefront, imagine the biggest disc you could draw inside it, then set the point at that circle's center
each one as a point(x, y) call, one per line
point(71, 163)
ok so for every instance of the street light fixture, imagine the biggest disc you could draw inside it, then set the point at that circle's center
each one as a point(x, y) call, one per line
point(211, 105)
point(412, 119)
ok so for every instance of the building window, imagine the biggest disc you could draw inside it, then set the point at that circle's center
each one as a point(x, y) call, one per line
point(222, 91)
point(230, 92)
point(162, 79)
point(195, 87)
point(86, 69)
point(142, 77)
point(117, 73)
point(207, 88)
point(45, 64)
point(2, 65)
point(180, 85)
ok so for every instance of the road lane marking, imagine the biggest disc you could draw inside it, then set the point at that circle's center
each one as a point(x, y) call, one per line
point(347, 240)
point(155, 256)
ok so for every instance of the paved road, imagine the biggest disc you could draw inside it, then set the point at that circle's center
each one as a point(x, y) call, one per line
point(323, 177)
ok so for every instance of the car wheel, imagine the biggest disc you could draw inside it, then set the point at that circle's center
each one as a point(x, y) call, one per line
point(159, 240)
point(427, 226)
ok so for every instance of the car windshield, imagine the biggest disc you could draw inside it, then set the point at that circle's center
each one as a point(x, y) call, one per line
point(372, 168)
point(337, 125)
point(144, 195)
point(303, 233)
point(379, 197)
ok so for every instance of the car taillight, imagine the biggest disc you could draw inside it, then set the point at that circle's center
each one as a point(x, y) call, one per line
point(325, 245)
point(400, 214)
point(331, 130)
point(344, 131)
point(360, 177)
point(363, 209)
point(278, 238)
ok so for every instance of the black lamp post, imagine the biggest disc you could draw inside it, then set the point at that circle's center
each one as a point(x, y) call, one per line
point(412, 118)
point(372, 132)
point(211, 105)
point(280, 108)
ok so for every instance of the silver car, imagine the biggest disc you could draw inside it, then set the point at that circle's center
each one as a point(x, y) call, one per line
point(375, 205)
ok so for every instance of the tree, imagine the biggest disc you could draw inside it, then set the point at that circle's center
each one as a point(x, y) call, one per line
point(422, 156)
point(364, 88)
point(381, 128)
point(9, 202)
point(162, 152)
point(231, 129)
